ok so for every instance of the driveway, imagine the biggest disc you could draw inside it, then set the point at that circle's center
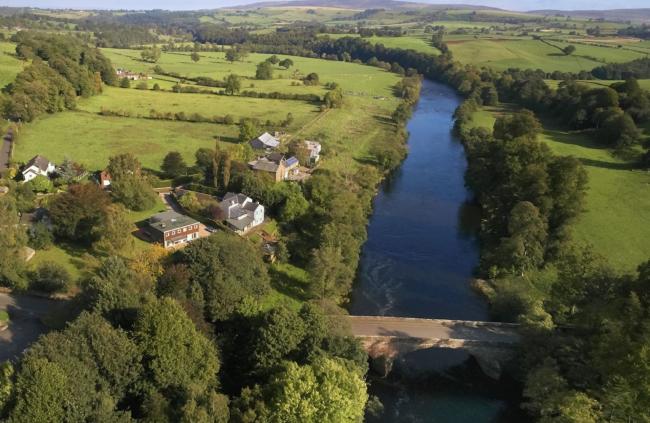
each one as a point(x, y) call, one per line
point(25, 324)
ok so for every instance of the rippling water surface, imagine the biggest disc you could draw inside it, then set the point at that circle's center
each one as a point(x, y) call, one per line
point(419, 258)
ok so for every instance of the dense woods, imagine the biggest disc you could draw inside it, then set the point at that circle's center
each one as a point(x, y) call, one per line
point(62, 68)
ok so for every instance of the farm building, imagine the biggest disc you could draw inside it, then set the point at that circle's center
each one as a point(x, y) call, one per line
point(277, 164)
point(265, 141)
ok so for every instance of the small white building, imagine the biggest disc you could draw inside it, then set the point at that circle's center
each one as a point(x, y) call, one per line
point(265, 141)
point(241, 213)
point(314, 148)
point(38, 166)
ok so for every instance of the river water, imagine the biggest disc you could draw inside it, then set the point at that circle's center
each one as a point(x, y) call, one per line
point(418, 261)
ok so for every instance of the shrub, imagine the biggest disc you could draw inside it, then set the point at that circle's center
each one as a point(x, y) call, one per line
point(50, 277)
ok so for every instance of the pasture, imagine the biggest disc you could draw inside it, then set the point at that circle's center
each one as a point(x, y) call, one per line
point(612, 223)
point(361, 79)
point(90, 138)
point(10, 66)
point(501, 54)
point(140, 102)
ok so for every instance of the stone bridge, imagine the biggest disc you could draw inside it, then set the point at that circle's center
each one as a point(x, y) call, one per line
point(387, 338)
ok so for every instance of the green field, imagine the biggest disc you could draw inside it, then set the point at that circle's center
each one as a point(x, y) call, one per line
point(613, 222)
point(501, 54)
point(360, 79)
point(10, 66)
point(90, 138)
point(417, 42)
point(141, 102)
point(643, 83)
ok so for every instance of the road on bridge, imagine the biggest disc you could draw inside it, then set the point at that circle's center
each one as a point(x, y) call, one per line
point(405, 327)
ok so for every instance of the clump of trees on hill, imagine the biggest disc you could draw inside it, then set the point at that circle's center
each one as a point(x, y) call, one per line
point(62, 68)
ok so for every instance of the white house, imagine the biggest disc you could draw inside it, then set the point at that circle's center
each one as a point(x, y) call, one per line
point(265, 141)
point(39, 165)
point(314, 150)
point(241, 213)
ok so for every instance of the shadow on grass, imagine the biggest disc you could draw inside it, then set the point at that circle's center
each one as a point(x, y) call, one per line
point(288, 285)
point(609, 165)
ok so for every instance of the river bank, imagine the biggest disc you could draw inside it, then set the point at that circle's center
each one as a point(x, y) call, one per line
point(418, 261)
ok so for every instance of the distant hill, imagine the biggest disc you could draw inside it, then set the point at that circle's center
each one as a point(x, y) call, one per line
point(358, 4)
point(634, 15)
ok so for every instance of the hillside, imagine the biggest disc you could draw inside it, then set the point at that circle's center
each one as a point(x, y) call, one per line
point(619, 15)
point(358, 4)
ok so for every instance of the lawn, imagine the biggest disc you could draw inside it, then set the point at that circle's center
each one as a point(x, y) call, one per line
point(501, 54)
point(10, 66)
point(91, 139)
point(614, 221)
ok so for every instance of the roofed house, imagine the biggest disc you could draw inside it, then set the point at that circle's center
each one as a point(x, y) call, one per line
point(172, 229)
point(241, 213)
point(276, 164)
point(37, 166)
point(313, 147)
point(265, 141)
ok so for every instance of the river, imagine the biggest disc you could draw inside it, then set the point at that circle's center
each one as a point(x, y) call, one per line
point(418, 261)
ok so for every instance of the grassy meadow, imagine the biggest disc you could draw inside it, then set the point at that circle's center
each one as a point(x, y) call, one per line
point(90, 138)
point(613, 221)
point(142, 101)
point(10, 66)
point(501, 54)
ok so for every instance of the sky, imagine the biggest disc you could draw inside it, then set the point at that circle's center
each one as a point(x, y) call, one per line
point(519, 5)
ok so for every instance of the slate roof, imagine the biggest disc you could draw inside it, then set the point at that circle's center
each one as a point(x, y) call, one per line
point(264, 164)
point(40, 162)
point(239, 209)
point(170, 220)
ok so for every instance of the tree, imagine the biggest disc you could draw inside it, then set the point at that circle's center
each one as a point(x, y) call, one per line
point(175, 353)
point(12, 241)
point(50, 277)
point(236, 53)
point(195, 56)
point(114, 234)
point(40, 236)
point(228, 269)
point(79, 374)
point(327, 390)
point(248, 129)
point(311, 79)
point(173, 164)
point(151, 54)
point(233, 84)
point(142, 85)
point(128, 186)
point(516, 125)
point(286, 63)
point(273, 59)
point(264, 71)
point(525, 247)
point(76, 213)
point(333, 99)
point(203, 158)
point(569, 50)
point(41, 184)
point(125, 83)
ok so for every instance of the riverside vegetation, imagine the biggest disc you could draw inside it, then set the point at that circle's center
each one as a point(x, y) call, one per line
point(583, 321)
